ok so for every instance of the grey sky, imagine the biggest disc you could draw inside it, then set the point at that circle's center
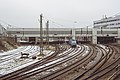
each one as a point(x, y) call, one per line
point(25, 13)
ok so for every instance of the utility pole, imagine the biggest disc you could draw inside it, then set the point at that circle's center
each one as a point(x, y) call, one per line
point(81, 31)
point(101, 31)
point(23, 34)
point(87, 30)
point(47, 33)
point(41, 38)
point(87, 34)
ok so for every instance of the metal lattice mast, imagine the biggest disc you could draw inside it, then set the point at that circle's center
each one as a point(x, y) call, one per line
point(47, 33)
point(41, 37)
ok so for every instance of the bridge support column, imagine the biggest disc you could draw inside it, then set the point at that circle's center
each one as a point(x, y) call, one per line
point(36, 40)
point(118, 35)
point(94, 36)
point(73, 33)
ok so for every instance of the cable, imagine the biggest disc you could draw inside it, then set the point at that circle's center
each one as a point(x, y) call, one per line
point(117, 14)
point(58, 24)
point(7, 24)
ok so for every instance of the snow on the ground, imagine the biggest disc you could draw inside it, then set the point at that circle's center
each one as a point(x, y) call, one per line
point(49, 53)
point(104, 47)
point(55, 61)
point(96, 59)
point(15, 65)
point(50, 63)
point(11, 51)
point(73, 53)
point(65, 51)
point(79, 48)
point(13, 54)
point(86, 52)
point(15, 62)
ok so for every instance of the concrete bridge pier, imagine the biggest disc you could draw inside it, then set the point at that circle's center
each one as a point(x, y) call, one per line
point(36, 40)
point(73, 34)
point(94, 36)
point(118, 35)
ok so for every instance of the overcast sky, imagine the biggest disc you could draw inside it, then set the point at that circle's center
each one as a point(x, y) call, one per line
point(61, 13)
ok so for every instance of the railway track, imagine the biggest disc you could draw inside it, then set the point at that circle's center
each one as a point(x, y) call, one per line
point(11, 55)
point(105, 69)
point(81, 60)
point(55, 74)
point(33, 72)
point(17, 53)
point(109, 68)
point(91, 65)
point(88, 62)
point(8, 76)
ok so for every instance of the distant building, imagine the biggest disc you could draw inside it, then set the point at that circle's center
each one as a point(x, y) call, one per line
point(108, 22)
point(3, 31)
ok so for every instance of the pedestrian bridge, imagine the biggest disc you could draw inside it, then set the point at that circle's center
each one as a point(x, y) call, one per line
point(81, 34)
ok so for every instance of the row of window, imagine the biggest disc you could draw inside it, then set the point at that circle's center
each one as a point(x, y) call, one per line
point(107, 21)
point(36, 32)
point(114, 24)
point(109, 24)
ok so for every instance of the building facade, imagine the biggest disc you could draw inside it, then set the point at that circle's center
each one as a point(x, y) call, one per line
point(108, 22)
point(3, 31)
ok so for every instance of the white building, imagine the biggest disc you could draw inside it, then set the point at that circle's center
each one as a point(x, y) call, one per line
point(108, 22)
point(3, 31)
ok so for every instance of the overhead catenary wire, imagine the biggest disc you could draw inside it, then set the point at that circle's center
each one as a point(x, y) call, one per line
point(7, 25)
point(62, 25)
point(54, 22)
